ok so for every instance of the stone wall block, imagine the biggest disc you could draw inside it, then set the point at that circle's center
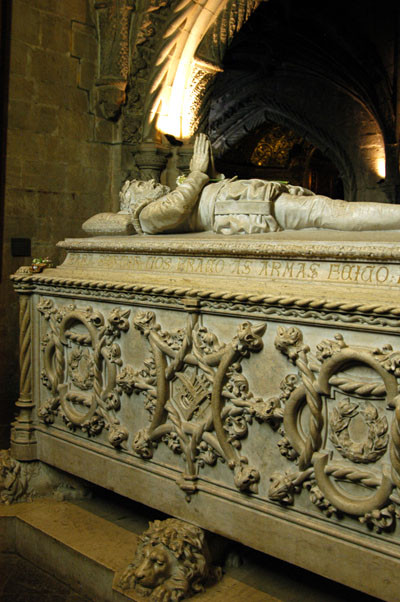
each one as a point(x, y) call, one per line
point(62, 96)
point(95, 154)
point(86, 74)
point(56, 33)
point(77, 10)
point(20, 200)
point(61, 150)
point(97, 180)
point(40, 175)
point(14, 173)
point(74, 125)
point(25, 23)
point(21, 88)
point(18, 226)
point(78, 100)
point(70, 9)
point(76, 178)
point(90, 203)
point(86, 179)
point(83, 42)
point(54, 202)
point(104, 131)
point(45, 119)
point(51, 93)
point(21, 145)
point(49, 66)
point(19, 58)
point(20, 115)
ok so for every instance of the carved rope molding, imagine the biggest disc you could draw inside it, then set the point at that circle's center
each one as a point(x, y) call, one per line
point(22, 434)
point(23, 281)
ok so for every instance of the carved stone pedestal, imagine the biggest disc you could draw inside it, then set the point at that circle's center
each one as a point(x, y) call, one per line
point(246, 385)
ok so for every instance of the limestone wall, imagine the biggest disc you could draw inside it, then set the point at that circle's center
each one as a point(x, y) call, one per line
point(59, 153)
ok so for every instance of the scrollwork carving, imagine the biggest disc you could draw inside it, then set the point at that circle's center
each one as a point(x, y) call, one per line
point(383, 519)
point(81, 361)
point(113, 32)
point(193, 387)
point(150, 18)
point(356, 426)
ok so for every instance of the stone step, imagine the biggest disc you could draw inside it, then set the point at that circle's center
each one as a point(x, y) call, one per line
point(88, 552)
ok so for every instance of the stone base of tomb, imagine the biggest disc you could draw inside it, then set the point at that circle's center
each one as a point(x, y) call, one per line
point(89, 552)
point(246, 385)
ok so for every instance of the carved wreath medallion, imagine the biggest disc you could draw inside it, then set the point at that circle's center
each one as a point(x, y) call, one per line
point(355, 425)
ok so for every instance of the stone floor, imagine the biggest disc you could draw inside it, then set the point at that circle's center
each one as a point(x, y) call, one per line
point(21, 581)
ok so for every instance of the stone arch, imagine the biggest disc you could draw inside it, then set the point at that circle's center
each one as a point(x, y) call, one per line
point(180, 48)
point(168, 75)
point(252, 110)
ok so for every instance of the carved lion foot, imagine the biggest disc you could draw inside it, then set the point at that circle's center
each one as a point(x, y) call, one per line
point(172, 562)
point(24, 481)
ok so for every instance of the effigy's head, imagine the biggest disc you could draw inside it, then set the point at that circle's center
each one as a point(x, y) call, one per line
point(134, 192)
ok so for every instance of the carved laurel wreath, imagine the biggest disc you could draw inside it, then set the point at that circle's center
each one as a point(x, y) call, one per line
point(315, 468)
point(375, 444)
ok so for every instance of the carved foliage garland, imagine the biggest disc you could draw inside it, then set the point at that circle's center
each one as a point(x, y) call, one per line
point(81, 361)
point(346, 410)
point(337, 413)
point(197, 397)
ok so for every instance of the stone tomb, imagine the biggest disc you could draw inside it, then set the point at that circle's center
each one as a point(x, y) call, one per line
point(247, 385)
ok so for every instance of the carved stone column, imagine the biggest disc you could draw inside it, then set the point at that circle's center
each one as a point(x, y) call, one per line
point(113, 19)
point(151, 160)
point(184, 155)
point(23, 441)
point(391, 184)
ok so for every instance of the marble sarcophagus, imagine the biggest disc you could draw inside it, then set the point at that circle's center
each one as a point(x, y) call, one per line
point(247, 385)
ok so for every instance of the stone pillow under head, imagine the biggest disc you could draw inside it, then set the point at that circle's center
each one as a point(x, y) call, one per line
point(112, 224)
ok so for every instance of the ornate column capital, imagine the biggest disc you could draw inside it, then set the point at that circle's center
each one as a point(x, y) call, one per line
point(183, 159)
point(151, 160)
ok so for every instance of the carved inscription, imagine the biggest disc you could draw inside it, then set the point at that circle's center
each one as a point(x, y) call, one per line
point(346, 273)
